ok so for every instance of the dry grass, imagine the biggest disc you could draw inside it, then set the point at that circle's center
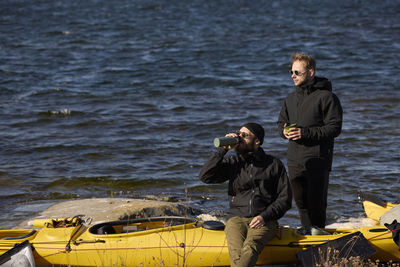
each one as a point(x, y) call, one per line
point(331, 259)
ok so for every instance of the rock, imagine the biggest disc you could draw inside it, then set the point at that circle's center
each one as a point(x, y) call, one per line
point(391, 215)
point(109, 209)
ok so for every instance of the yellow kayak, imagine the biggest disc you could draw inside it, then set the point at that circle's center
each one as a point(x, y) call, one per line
point(374, 207)
point(168, 241)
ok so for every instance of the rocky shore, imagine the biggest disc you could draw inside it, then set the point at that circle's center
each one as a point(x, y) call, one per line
point(109, 209)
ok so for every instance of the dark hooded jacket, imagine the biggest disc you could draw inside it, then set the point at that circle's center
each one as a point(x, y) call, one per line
point(317, 111)
point(258, 184)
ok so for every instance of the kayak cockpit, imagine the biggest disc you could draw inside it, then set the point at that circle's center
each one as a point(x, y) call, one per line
point(16, 234)
point(141, 224)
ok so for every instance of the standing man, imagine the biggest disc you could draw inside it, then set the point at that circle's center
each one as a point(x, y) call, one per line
point(310, 118)
point(259, 193)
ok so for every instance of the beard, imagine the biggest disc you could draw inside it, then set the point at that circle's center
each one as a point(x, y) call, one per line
point(244, 148)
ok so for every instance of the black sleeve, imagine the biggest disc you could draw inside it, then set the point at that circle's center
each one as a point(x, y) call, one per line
point(283, 200)
point(217, 169)
point(282, 119)
point(333, 116)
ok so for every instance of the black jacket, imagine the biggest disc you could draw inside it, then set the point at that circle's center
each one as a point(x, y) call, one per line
point(258, 184)
point(317, 111)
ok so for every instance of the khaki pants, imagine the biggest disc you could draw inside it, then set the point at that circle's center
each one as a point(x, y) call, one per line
point(245, 243)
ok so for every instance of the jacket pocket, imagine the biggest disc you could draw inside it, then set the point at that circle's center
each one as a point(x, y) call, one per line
point(259, 202)
point(242, 203)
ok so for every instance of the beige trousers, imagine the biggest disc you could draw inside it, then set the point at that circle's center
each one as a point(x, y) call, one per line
point(245, 243)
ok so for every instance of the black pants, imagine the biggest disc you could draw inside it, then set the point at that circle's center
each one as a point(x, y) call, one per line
point(310, 192)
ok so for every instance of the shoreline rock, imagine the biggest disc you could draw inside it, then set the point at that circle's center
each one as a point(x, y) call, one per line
point(110, 209)
point(390, 216)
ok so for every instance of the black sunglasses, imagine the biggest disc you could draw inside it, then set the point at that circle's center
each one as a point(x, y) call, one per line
point(244, 134)
point(297, 73)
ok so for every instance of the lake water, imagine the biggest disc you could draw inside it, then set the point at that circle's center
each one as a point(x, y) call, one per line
point(127, 96)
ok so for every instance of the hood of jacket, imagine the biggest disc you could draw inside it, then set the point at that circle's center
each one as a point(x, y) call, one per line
point(318, 83)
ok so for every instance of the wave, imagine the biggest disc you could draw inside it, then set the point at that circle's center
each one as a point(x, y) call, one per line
point(376, 100)
point(64, 112)
point(109, 182)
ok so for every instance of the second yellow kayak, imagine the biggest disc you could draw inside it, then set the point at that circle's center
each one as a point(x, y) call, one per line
point(374, 207)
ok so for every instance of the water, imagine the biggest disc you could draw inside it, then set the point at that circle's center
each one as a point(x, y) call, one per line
point(128, 95)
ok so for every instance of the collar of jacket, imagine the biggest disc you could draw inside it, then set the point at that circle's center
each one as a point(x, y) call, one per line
point(256, 155)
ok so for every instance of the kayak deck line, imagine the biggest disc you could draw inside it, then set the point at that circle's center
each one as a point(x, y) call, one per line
point(387, 232)
point(127, 248)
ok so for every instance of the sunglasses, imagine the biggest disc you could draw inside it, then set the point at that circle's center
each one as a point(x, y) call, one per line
point(297, 73)
point(244, 134)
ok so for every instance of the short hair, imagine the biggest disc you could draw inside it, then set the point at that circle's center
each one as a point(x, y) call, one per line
point(310, 62)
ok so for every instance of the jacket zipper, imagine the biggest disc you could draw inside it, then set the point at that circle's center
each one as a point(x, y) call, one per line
point(252, 192)
point(251, 206)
